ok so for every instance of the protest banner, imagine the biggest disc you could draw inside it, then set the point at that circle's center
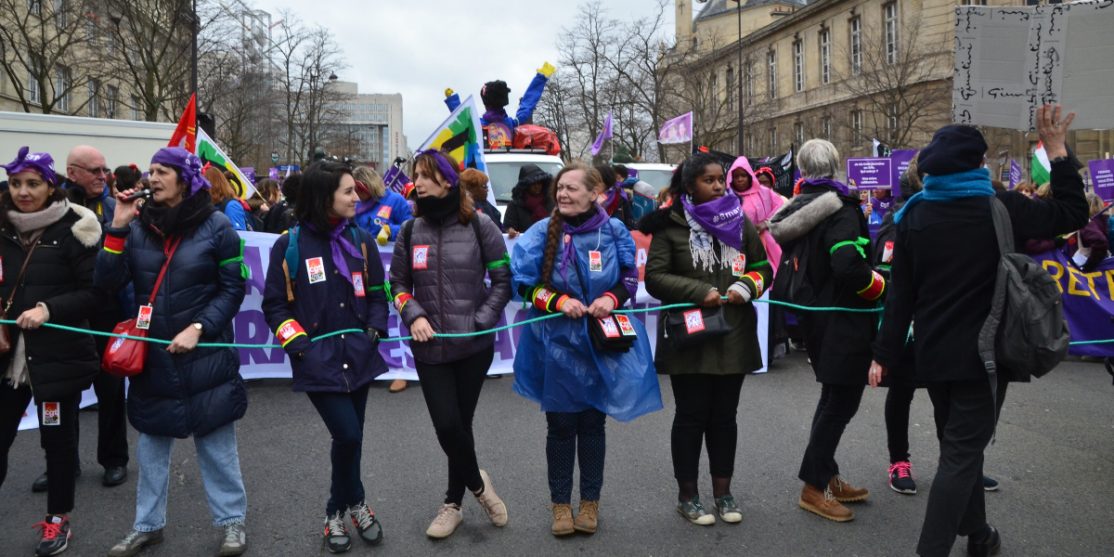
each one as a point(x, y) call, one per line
point(1102, 178)
point(1088, 301)
point(870, 173)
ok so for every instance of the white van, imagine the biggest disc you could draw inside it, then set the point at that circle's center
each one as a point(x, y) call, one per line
point(503, 167)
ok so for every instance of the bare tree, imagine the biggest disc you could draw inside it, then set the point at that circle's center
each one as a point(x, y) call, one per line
point(306, 62)
point(554, 109)
point(691, 83)
point(47, 53)
point(901, 92)
point(644, 65)
point(584, 49)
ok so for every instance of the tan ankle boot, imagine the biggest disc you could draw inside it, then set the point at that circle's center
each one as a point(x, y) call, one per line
point(824, 504)
point(845, 492)
point(588, 517)
point(562, 520)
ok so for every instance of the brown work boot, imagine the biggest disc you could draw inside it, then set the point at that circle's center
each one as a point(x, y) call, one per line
point(562, 520)
point(588, 517)
point(824, 504)
point(845, 492)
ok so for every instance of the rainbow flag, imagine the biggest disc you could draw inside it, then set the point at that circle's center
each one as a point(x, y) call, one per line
point(461, 135)
point(208, 151)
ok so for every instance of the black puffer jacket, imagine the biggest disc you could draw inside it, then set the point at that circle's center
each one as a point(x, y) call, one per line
point(518, 216)
point(194, 393)
point(60, 274)
point(444, 272)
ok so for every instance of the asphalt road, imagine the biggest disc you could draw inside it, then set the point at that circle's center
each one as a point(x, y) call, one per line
point(1054, 457)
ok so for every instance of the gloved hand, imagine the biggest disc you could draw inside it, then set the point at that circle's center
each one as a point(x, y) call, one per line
point(547, 69)
point(384, 235)
point(449, 92)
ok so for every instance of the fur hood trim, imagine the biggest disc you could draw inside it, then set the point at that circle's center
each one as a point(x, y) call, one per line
point(87, 228)
point(802, 214)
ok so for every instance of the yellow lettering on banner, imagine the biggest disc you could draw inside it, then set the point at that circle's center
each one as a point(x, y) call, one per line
point(1056, 270)
point(1110, 283)
point(1074, 282)
point(1091, 283)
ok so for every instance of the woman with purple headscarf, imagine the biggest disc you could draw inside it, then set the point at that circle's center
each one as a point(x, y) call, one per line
point(437, 278)
point(581, 263)
point(47, 250)
point(704, 247)
point(184, 390)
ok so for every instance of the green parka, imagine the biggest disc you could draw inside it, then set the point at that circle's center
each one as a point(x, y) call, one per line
point(672, 278)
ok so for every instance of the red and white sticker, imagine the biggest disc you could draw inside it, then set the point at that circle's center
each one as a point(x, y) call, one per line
point(595, 261)
point(419, 259)
point(52, 413)
point(316, 268)
point(143, 320)
point(384, 212)
point(610, 329)
point(888, 252)
point(694, 321)
point(739, 265)
point(358, 284)
point(626, 326)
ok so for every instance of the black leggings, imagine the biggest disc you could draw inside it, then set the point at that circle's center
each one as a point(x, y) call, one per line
point(59, 440)
point(452, 391)
point(575, 437)
point(838, 404)
point(898, 400)
point(706, 408)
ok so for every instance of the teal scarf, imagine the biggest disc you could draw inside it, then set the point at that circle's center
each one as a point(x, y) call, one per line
point(948, 187)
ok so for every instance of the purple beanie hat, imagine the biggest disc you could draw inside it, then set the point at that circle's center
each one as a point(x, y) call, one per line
point(444, 166)
point(42, 163)
point(186, 163)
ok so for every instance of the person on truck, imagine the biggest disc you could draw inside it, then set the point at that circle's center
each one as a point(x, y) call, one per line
point(530, 200)
point(498, 125)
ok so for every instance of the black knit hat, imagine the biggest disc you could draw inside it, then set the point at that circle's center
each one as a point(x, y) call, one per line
point(495, 94)
point(952, 149)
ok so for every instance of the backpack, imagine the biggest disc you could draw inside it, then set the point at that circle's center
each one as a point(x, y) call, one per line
point(1025, 333)
point(532, 136)
point(792, 284)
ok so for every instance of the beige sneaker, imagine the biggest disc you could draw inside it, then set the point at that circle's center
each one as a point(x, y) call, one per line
point(445, 523)
point(562, 520)
point(491, 502)
point(397, 386)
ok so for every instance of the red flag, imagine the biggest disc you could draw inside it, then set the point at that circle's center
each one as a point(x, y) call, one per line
point(185, 135)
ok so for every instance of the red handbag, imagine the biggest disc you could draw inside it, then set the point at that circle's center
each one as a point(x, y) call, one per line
point(126, 357)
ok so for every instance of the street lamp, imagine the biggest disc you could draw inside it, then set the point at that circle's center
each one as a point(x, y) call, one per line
point(739, 74)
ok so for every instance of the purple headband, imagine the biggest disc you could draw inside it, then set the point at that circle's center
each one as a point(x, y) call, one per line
point(42, 163)
point(444, 166)
point(186, 163)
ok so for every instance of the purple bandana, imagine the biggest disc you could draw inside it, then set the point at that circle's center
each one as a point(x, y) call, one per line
point(339, 244)
point(612, 202)
point(829, 183)
point(722, 218)
point(444, 166)
point(186, 163)
point(42, 163)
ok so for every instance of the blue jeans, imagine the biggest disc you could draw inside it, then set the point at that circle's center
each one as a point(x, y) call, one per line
point(343, 414)
point(220, 472)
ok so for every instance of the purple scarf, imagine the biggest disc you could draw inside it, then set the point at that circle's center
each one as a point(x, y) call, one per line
point(722, 218)
point(339, 245)
point(611, 204)
point(569, 253)
point(829, 183)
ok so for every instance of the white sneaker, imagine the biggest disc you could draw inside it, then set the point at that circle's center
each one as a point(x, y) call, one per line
point(496, 509)
point(445, 523)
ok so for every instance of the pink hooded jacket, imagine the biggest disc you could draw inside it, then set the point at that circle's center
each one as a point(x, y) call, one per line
point(759, 203)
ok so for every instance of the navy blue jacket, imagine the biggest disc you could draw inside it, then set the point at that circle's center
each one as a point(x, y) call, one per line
point(179, 395)
point(340, 363)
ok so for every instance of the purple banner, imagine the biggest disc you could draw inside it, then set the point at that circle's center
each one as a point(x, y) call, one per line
point(1017, 174)
point(869, 174)
point(677, 130)
point(1088, 301)
point(604, 135)
point(901, 159)
point(1102, 177)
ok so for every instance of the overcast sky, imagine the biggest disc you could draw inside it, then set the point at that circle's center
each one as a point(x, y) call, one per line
point(418, 48)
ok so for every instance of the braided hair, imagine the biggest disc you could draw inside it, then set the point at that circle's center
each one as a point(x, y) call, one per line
point(554, 233)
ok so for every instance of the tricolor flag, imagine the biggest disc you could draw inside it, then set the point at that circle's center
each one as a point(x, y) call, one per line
point(1040, 169)
point(461, 136)
point(208, 151)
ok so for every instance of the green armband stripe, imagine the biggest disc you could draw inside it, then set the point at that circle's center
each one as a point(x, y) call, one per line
point(501, 262)
point(858, 244)
point(385, 287)
point(244, 272)
point(756, 264)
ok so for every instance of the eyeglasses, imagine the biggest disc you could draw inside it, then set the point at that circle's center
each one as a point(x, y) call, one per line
point(94, 171)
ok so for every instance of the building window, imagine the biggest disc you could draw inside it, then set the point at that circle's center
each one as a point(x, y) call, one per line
point(856, 45)
point(773, 140)
point(35, 7)
point(715, 88)
point(94, 98)
point(798, 133)
point(889, 12)
point(731, 89)
point(63, 78)
point(825, 56)
point(61, 14)
point(798, 65)
point(771, 74)
point(111, 97)
point(892, 120)
point(136, 115)
point(826, 127)
point(749, 78)
point(856, 125)
point(34, 95)
point(90, 27)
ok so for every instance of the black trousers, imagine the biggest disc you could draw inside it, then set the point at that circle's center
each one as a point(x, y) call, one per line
point(451, 392)
point(966, 415)
point(343, 414)
point(575, 437)
point(838, 404)
point(706, 408)
point(899, 398)
point(57, 436)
